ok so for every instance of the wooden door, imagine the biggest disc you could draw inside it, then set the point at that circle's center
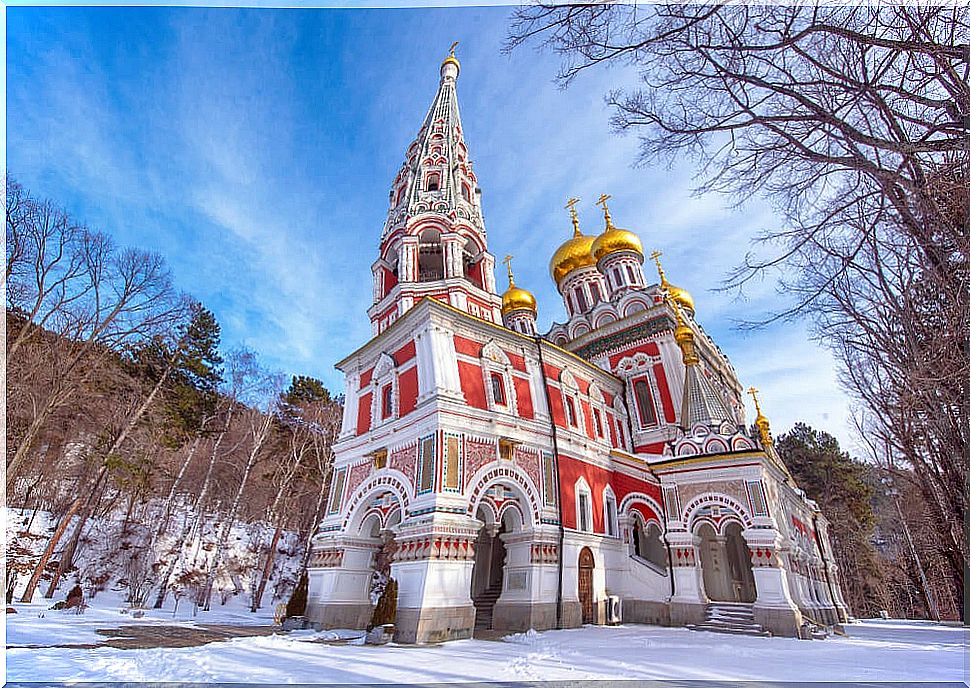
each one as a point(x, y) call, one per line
point(586, 585)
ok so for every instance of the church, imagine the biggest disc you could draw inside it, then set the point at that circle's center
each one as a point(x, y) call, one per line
point(602, 472)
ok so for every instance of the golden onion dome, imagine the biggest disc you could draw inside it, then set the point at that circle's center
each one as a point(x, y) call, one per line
point(451, 59)
point(574, 253)
point(681, 297)
point(614, 240)
point(516, 298)
point(678, 295)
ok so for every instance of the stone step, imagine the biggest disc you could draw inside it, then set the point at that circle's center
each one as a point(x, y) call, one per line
point(732, 630)
point(729, 615)
point(732, 624)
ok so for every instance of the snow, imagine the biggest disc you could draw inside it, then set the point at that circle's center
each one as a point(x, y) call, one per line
point(878, 651)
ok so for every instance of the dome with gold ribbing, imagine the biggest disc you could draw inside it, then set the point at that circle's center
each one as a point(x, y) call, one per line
point(678, 295)
point(613, 239)
point(516, 298)
point(574, 253)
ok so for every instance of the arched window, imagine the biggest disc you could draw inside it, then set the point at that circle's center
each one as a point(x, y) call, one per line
point(466, 192)
point(498, 388)
point(646, 411)
point(580, 300)
point(584, 507)
point(431, 265)
point(434, 182)
point(609, 513)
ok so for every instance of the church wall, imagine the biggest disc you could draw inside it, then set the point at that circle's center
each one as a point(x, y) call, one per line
point(472, 384)
point(363, 413)
point(408, 390)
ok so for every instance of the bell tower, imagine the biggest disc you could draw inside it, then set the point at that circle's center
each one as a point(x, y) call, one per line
point(434, 242)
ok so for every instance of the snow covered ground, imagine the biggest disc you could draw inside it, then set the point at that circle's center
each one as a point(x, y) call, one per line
point(880, 651)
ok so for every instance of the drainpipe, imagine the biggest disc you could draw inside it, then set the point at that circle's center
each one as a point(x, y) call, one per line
point(555, 455)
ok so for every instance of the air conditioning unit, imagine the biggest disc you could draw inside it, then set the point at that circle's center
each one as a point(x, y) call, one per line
point(614, 610)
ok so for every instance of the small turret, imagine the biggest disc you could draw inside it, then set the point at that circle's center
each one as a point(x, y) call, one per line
point(518, 306)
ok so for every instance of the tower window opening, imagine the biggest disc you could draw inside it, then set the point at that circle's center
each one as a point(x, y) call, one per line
point(498, 389)
point(570, 411)
point(387, 401)
point(645, 407)
point(632, 274)
point(597, 294)
point(617, 277)
point(466, 192)
point(580, 300)
point(430, 257)
point(434, 182)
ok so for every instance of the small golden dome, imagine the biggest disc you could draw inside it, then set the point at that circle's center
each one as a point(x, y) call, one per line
point(516, 298)
point(681, 297)
point(451, 59)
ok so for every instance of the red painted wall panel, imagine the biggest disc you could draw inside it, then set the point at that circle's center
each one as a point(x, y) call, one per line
point(408, 389)
point(588, 416)
point(472, 384)
point(558, 412)
point(653, 448)
point(524, 396)
point(404, 354)
point(665, 399)
point(517, 361)
point(363, 414)
point(570, 470)
point(365, 378)
point(467, 346)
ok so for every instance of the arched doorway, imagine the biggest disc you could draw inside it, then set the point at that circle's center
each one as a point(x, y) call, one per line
point(739, 562)
point(725, 564)
point(489, 568)
point(586, 565)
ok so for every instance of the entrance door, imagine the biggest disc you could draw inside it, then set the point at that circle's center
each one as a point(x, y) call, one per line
point(586, 585)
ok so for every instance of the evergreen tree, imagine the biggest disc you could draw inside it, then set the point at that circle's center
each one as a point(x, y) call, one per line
point(843, 489)
point(304, 389)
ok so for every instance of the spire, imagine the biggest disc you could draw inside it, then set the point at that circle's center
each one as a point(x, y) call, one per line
point(606, 210)
point(664, 284)
point(571, 207)
point(508, 264)
point(760, 422)
point(701, 403)
point(676, 294)
point(437, 174)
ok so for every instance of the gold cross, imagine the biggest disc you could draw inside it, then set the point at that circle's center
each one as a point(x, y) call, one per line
point(602, 200)
point(508, 264)
point(754, 395)
point(453, 46)
point(571, 206)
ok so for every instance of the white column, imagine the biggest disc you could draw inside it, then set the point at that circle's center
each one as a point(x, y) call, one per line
point(348, 426)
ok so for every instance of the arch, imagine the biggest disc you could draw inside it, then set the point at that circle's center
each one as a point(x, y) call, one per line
point(579, 329)
point(698, 504)
point(387, 480)
point(605, 319)
point(515, 510)
point(431, 264)
point(634, 306)
point(626, 507)
point(509, 475)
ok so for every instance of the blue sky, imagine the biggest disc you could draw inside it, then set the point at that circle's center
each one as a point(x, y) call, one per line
point(254, 149)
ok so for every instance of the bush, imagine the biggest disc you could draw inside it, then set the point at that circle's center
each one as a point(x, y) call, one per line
point(386, 610)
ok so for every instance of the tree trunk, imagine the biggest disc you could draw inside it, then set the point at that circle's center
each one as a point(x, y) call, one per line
point(49, 551)
point(267, 568)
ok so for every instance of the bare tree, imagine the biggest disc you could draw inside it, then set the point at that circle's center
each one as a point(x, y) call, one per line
point(855, 122)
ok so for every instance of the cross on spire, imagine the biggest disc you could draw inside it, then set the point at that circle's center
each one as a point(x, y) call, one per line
point(571, 207)
point(508, 263)
point(660, 270)
point(606, 210)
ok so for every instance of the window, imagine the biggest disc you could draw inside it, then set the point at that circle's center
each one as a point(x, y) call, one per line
point(570, 411)
point(645, 408)
point(466, 192)
point(620, 439)
point(632, 274)
point(387, 401)
point(609, 511)
point(585, 513)
point(498, 389)
point(434, 182)
point(597, 294)
point(580, 300)
point(598, 422)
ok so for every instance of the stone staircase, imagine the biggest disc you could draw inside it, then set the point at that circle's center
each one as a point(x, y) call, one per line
point(484, 604)
point(730, 617)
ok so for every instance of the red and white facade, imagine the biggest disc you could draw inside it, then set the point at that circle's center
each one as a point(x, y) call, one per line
point(529, 479)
